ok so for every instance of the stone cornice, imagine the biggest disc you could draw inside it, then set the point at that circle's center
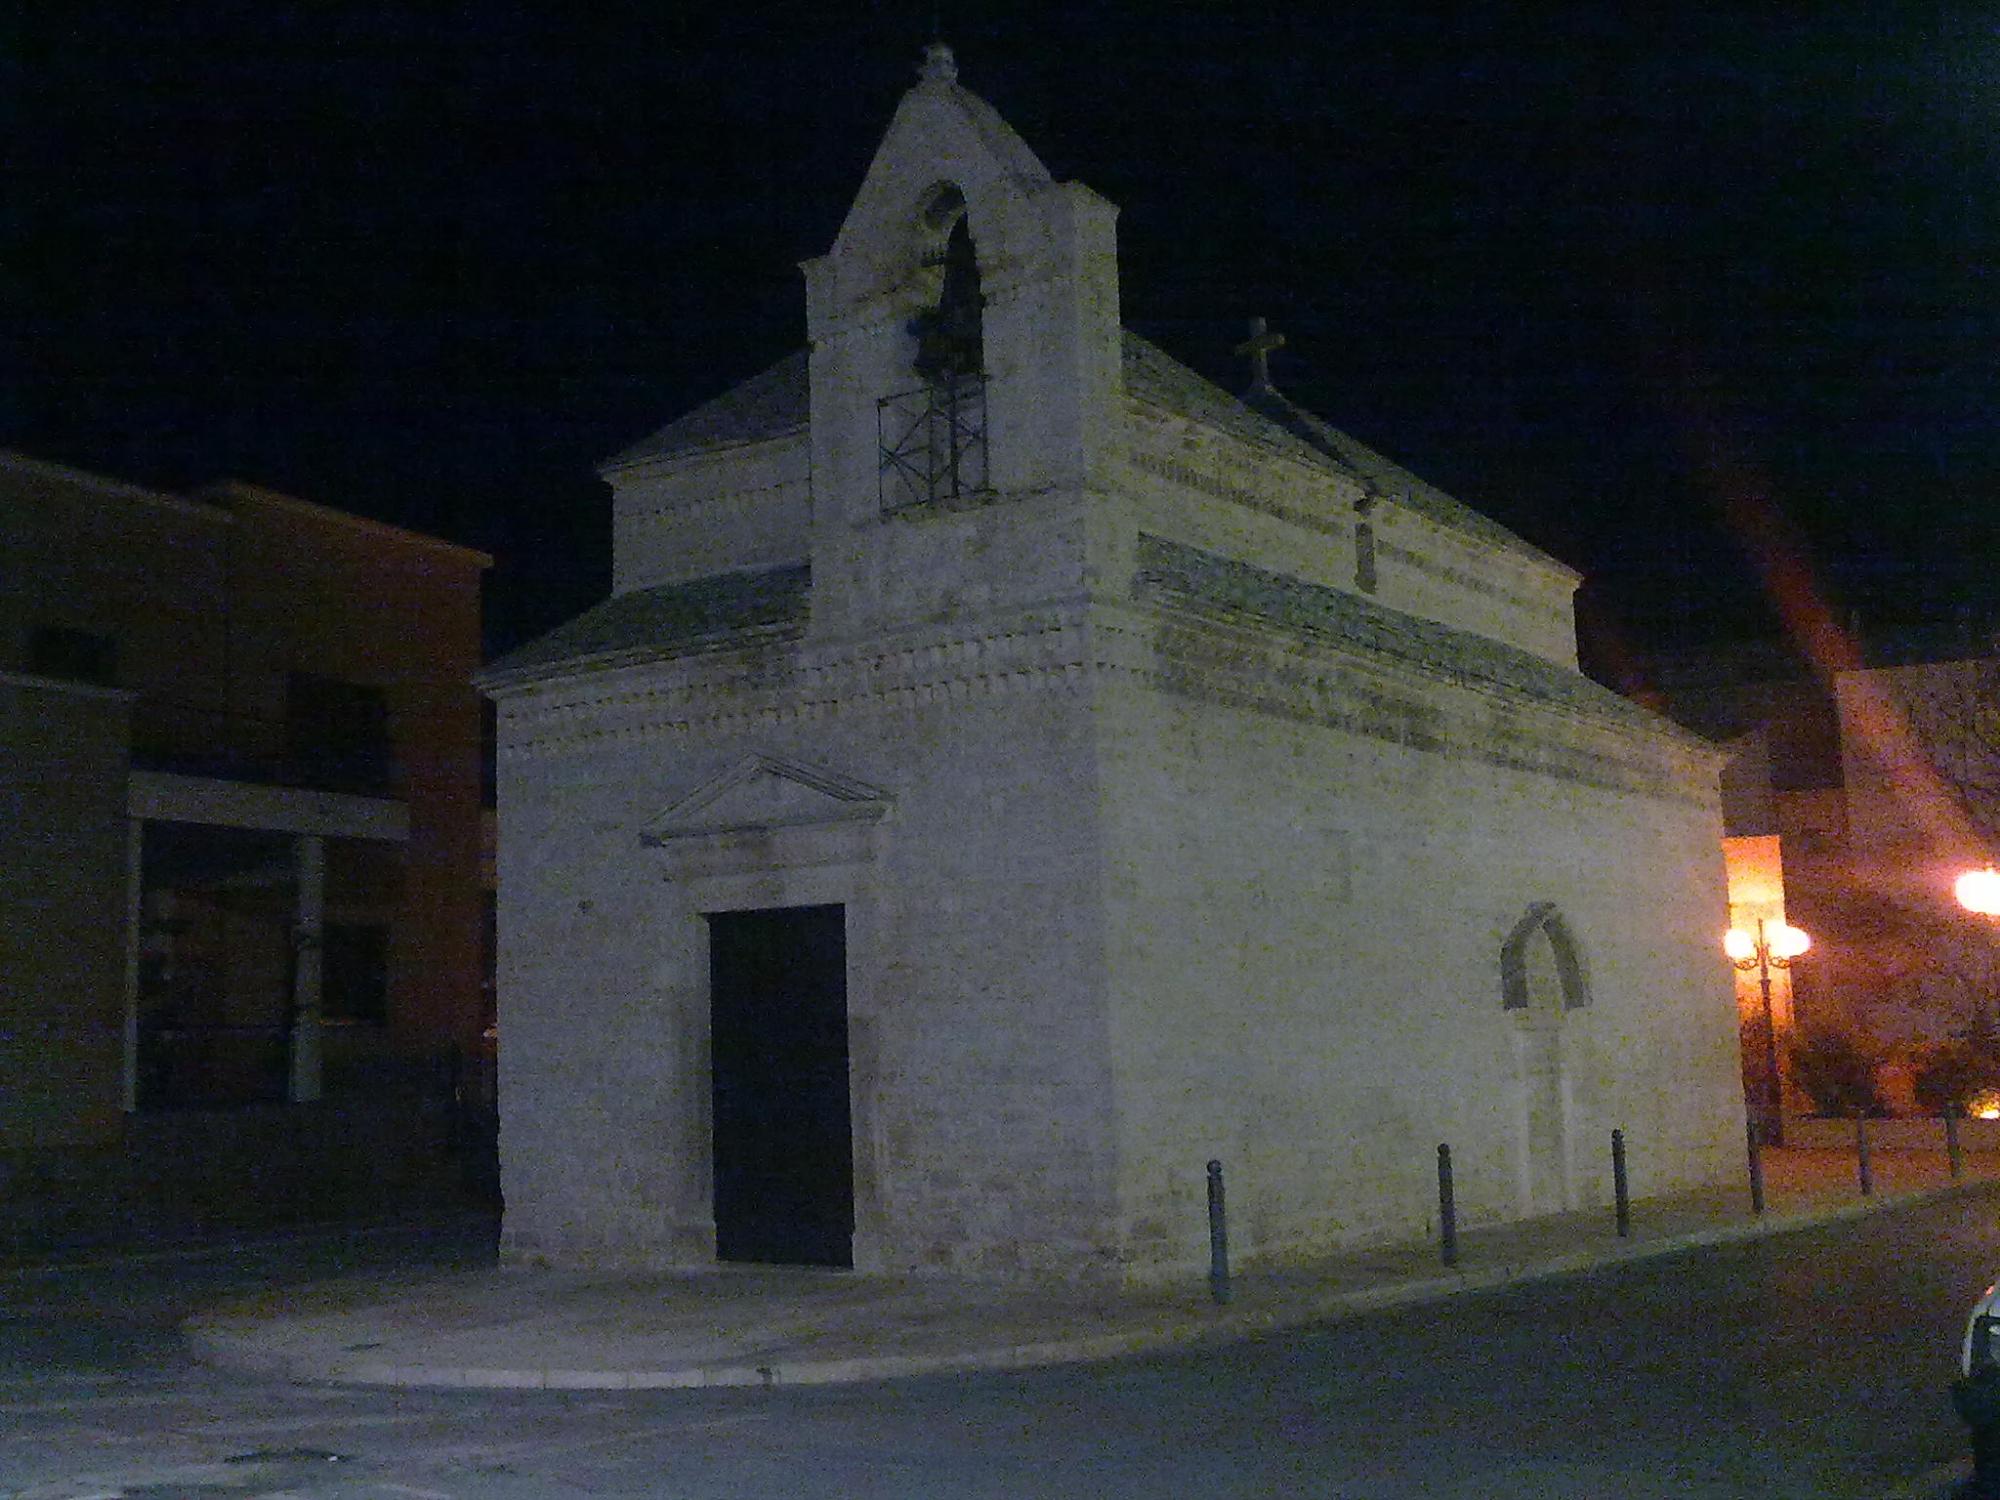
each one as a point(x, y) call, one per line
point(1263, 668)
point(684, 507)
point(727, 691)
point(1158, 642)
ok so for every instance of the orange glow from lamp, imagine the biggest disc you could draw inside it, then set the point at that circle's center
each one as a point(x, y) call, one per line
point(1979, 891)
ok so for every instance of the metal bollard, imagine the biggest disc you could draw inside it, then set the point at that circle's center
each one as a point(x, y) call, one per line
point(1218, 1236)
point(1951, 1147)
point(1619, 1187)
point(1756, 1167)
point(1861, 1163)
point(1447, 1210)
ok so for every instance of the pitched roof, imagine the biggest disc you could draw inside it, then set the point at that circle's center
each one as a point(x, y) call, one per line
point(1223, 586)
point(767, 405)
point(670, 620)
point(1270, 420)
point(1386, 477)
point(1152, 374)
point(778, 401)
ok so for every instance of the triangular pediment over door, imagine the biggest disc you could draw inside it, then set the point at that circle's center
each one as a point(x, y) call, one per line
point(766, 792)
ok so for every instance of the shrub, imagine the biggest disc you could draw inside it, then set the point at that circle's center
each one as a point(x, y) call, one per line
point(1947, 1074)
point(1836, 1071)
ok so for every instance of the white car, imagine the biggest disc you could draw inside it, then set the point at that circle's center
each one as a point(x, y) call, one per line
point(1982, 1330)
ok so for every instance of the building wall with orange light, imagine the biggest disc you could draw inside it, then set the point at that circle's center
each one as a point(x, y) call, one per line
point(1921, 765)
point(1756, 872)
point(199, 611)
point(315, 591)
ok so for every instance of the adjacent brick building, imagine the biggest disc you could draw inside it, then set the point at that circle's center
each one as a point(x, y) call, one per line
point(240, 846)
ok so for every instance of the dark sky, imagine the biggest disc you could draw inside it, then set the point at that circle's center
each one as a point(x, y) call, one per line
point(1638, 289)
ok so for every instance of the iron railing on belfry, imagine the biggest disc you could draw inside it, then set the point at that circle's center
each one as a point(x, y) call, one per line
point(933, 443)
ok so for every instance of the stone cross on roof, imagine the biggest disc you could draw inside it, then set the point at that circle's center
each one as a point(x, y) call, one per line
point(1259, 346)
point(938, 66)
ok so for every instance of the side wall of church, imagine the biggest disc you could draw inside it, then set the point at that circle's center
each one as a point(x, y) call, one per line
point(1305, 935)
point(974, 950)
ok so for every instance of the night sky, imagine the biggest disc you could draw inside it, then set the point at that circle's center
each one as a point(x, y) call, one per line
point(1669, 298)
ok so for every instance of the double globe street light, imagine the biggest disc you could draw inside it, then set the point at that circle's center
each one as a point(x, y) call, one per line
point(1773, 946)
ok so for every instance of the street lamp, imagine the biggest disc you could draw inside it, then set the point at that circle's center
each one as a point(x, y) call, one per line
point(1979, 891)
point(1772, 947)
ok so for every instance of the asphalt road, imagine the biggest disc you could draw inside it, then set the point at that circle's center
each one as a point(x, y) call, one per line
point(1813, 1365)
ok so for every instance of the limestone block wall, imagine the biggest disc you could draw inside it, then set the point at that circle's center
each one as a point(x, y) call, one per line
point(980, 1091)
point(744, 507)
point(1305, 935)
point(1211, 489)
point(927, 566)
point(585, 1061)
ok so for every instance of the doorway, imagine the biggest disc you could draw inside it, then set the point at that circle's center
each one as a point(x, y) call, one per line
point(783, 1147)
point(1543, 981)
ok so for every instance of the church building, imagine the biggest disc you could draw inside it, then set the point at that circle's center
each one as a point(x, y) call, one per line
point(1011, 772)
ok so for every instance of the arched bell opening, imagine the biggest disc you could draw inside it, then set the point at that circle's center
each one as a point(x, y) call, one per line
point(949, 333)
point(933, 435)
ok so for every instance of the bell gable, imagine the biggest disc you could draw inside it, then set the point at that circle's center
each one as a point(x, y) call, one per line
point(964, 268)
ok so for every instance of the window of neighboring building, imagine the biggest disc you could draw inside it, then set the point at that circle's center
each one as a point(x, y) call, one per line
point(354, 973)
point(337, 733)
point(73, 655)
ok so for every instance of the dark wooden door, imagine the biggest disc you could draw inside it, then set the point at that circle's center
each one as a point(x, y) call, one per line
point(784, 1156)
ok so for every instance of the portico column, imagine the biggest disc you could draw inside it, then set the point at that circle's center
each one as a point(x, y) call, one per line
point(306, 947)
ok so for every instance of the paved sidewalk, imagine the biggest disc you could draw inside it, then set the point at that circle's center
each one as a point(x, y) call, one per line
point(517, 1326)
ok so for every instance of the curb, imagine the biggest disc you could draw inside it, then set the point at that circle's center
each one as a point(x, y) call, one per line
point(96, 1258)
point(247, 1352)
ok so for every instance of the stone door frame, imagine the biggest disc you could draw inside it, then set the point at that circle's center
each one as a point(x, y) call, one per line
point(1542, 1075)
point(770, 851)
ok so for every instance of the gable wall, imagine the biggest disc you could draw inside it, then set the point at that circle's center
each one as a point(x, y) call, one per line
point(701, 514)
point(1185, 480)
point(1048, 276)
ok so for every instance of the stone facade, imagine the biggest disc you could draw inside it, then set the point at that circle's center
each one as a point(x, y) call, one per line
point(1194, 782)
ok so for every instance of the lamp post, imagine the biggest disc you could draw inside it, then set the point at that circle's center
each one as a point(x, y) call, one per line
point(1771, 947)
